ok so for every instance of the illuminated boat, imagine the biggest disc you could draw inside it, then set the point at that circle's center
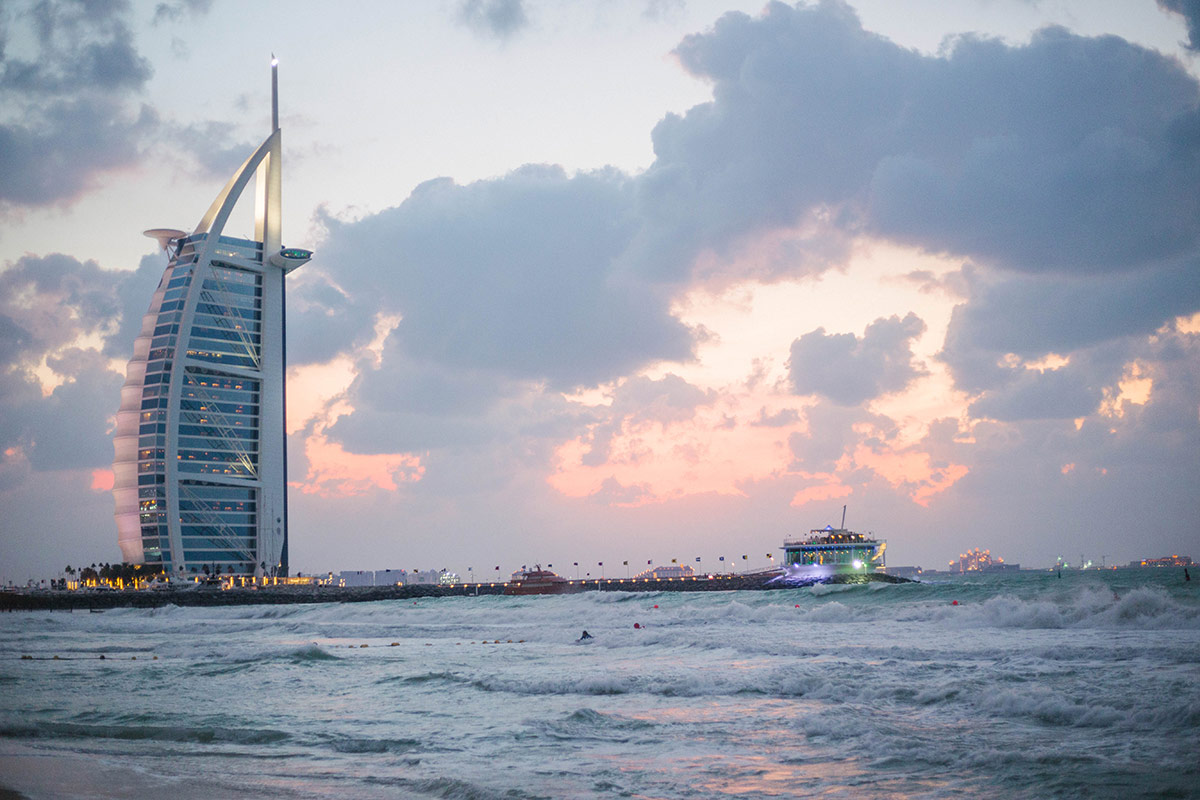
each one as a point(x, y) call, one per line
point(537, 581)
point(837, 549)
point(831, 551)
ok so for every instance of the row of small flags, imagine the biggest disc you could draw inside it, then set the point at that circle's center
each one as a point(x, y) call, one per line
point(649, 562)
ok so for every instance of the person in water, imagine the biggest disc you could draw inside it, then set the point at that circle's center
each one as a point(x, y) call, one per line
point(585, 635)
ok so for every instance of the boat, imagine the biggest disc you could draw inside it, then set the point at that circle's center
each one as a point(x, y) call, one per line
point(832, 550)
point(538, 581)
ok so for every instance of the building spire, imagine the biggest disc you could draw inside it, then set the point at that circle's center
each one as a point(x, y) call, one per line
point(274, 93)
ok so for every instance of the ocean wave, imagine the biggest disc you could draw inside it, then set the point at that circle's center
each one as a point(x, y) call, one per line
point(310, 652)
point(443, 676)
point(155, 733)
point(356, 744)
point(1048, 707)
point(1143, 608)
point(589, 724)
point(452, 789)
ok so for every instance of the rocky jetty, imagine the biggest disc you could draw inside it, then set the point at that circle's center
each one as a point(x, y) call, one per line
point(200, 595)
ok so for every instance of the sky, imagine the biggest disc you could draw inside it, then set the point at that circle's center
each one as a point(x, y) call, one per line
point(634, 280)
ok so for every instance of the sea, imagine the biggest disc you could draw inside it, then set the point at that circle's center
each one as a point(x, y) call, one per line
point(1024, 685)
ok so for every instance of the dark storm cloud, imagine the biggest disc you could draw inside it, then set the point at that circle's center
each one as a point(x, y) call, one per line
point(323, 319)
point(849, 370)
point(513, 275)
point(57, 157)
point(1190, 11)
point(498, 18)
point(1066, 154)
point(1065, 393)
point(68, 117)
point(56, 299)
point(76, 45)
point(1069, 154)
point(1031, 316)
point(133, 291)
point(46, 305)
point(69, 429)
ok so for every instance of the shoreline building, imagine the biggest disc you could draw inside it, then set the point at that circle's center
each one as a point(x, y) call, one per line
point(200, 447)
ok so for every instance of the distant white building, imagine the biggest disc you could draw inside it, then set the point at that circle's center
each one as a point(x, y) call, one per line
point(356, 577)
point(390, 577)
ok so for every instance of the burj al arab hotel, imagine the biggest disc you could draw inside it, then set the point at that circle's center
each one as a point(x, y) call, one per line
point(201, 456)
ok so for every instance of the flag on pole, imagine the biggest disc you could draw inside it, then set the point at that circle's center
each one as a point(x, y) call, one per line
point(600, 564)
point(648, 561)
point(497, 567)
point(697, 559)
point(722, 558)
point(626, 563)
point(743, 558)
point(674, 561)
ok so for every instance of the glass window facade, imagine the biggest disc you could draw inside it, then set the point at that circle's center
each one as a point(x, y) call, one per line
point(216, 407)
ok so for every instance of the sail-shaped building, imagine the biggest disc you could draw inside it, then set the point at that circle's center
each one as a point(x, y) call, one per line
point(201, 457)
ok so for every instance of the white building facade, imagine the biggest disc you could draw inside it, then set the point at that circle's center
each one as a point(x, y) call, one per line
point(200, 450)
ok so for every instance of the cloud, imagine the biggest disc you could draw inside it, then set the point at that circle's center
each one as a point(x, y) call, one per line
point(1068, 154)
point(209, 144)
point(1058, 168)
point(828, 435)
point(500, 19)
point(1030, 316)
point(1066, 393)
point(70, 429)
point(54, 300)
point(175, 12)
point(514, 276)
point(851, 371)
point(1190, 11)
point(48, 306)
point(640, 401)
point(69, 118)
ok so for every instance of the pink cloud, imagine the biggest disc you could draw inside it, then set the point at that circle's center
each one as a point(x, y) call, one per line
point(102, 480)
point(828, 491)
point(333, 472)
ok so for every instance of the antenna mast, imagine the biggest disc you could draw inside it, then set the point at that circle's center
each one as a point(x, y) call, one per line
point(843, 518)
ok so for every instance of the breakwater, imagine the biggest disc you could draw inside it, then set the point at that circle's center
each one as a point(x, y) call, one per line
point(199, 595)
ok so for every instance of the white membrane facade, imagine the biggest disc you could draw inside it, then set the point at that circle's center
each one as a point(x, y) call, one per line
point(201, 460)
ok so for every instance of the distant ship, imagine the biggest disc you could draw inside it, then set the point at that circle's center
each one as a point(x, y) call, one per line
point(830, 551)
point(538, 581)
point(839, 549)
